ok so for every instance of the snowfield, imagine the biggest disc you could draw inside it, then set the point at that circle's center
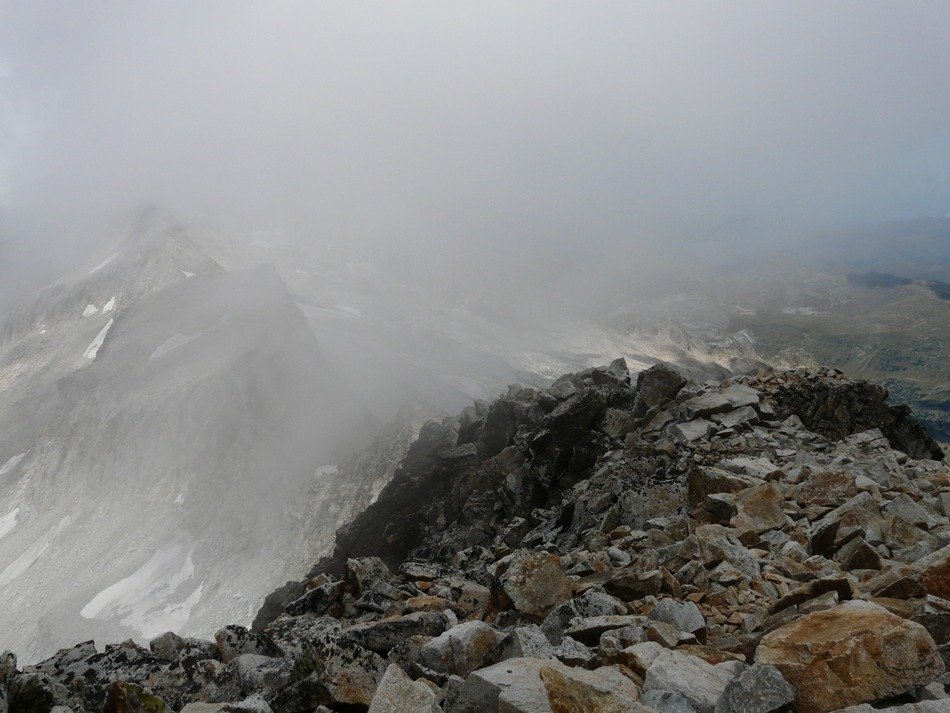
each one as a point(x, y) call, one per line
point(102, 264)
point(12, 463)
point(148, 600)
point(93, 349)
point(179, 340)
point(22, 563)
point(8, 522)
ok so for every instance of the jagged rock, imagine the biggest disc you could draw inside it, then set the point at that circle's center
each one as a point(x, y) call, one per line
point(543, 686)
point(381, 635)
point(699, 682)
point(588, 630)
point(934, 615)
point(263, 675)
point(904, 507)
point(760, 508)
point(332, 671)
point(525, 642)
point(855, 653)
point(129, 698)
point(31, 693)
point(397, 693)
point(659, 385)
point(716, 401)
point(251, 704)
point(941, 706)
point(827, 487)
point(757, 689)
point(235, 640)
point(571, 690)
point(836, 408)
point(935, 573)
point(461, 649)
point(667, 560)
point(534, 582)
point(685, 616)
point(692, 430)
point(639, 656)
point(667, 702)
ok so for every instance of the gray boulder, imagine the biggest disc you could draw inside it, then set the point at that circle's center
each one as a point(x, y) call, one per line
point(701, 683)
point(397, 693)
point(757, 689)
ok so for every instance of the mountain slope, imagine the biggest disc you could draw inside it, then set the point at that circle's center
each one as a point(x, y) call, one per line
point(156, 451)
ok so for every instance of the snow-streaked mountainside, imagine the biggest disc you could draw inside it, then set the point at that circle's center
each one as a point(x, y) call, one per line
point(185, 421)
point(177, 426)
point(155, 453)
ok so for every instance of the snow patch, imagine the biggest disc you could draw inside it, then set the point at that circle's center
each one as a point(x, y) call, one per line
point(90, 310)
point(349, 310)
point(12, 463)
point(187, 274)
point(104, 263)
point(93, 349)
point(179, 340)
point(8, 522)
point(32, 553)
point(109, 306)
point(146, 600)
point(325, 471)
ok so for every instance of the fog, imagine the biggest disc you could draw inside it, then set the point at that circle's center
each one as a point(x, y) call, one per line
point(283, 226)
point(494, 142)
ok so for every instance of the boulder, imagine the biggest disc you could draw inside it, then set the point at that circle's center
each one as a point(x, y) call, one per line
point(235, 640)
point(461, 649)
point(760, 508)
point(383, 634)
point(667, 702)
point(827, 488)
point(525, 642)
point(535, 583)
point(700, 683)
point(685, 616)
point(543, 686)
point(935, 573)
point(397, 693)
point(857, 652)
point(129, 698)
point(718, 400)
point(757, 689)
point(659, 385)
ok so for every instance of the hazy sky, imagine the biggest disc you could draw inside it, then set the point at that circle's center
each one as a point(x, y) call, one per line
point(474, 130)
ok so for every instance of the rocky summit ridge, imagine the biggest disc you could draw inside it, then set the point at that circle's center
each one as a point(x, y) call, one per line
point(776, 542)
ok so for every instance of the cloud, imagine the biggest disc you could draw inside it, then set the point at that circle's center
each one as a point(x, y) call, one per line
point(475, 133)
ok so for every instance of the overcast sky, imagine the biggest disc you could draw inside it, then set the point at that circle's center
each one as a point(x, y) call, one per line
point(471, 127)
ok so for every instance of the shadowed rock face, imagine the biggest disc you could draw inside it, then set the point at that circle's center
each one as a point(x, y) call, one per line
point(837, 408)
point(577, 548)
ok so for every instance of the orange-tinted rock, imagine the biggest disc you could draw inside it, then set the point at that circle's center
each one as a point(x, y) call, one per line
point(760, 508)
point(936, 574)
point(857, 652)
point(830, 488)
